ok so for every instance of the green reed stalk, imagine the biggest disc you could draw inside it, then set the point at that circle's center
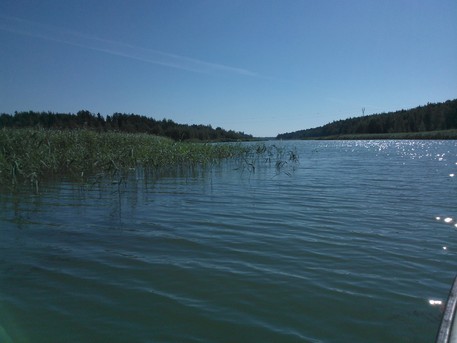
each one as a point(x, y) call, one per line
point(37, 154)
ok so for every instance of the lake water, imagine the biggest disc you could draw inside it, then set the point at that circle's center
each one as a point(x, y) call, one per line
point(349, 245)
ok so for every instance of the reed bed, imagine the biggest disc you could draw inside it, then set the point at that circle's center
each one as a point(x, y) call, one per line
point(32, 155)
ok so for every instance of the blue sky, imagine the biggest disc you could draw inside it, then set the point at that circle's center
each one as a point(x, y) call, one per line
point(262, 67)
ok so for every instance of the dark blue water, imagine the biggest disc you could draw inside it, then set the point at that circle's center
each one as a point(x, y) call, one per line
point(349, 245)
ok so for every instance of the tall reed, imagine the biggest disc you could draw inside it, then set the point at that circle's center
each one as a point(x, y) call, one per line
point(32, 155)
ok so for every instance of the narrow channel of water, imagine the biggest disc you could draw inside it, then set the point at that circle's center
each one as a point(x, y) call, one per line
point(347, 246)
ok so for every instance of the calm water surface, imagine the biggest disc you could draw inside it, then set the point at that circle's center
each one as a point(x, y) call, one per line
point(347, 247)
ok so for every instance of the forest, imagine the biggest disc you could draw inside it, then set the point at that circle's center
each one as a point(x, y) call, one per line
point(429, 118)
point(119, 122)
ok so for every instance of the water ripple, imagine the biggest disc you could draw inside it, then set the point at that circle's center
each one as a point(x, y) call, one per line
point(358, 238)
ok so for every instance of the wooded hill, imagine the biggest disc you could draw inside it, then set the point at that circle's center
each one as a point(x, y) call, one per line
point(431, 117)
point(131, 123)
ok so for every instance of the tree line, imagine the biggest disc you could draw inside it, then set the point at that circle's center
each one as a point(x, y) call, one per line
point(431, 117)
point(131, 123)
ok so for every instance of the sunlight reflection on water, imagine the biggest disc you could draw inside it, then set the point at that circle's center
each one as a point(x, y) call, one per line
point(356, 238)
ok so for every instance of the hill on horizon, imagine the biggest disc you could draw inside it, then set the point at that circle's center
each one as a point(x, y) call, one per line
point(430, 117)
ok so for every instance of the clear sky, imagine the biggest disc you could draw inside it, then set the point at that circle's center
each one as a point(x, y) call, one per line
point(259, 66)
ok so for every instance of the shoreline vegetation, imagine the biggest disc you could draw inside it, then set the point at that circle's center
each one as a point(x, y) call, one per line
point(424, 135)
point(432, 121)
point(120, 122)
point(37, 146)
point(32, 155)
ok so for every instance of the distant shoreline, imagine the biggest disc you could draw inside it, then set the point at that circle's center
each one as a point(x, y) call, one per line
point(431, 121)
point(425, 135)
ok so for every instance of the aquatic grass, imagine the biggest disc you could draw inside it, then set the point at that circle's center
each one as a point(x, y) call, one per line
point(284, 159)
point(32, 155)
